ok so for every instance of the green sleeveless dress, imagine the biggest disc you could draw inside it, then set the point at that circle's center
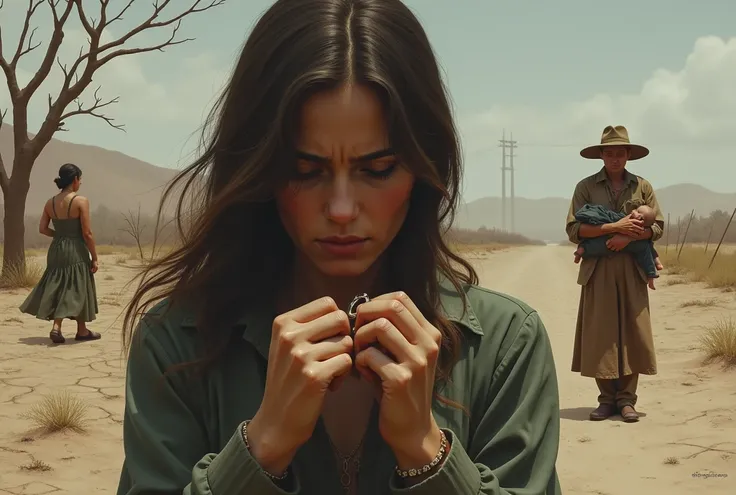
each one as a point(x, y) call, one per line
point(67, 287)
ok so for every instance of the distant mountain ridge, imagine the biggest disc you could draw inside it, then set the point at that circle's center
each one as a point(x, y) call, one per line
point(120, 183)
point(110, 178)
point(545, 218)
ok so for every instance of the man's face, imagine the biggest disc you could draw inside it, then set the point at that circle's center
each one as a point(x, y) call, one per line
point(615, 158)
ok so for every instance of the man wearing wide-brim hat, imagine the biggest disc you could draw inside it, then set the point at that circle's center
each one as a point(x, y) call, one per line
point(613, 336)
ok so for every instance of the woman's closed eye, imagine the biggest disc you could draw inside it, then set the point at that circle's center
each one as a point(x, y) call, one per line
point(379, 171)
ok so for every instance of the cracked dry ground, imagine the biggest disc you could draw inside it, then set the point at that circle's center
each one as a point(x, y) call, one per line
point(687, 409)
point(31, 366)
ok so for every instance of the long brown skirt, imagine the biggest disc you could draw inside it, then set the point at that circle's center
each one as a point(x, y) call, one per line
point(613, 336)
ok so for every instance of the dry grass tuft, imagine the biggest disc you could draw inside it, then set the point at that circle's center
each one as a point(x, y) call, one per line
point(694, 262)
point(719, 341)
point(36, 465)
point(672, 461)
point(58, 411)
point(700, 303)
point(22, 276)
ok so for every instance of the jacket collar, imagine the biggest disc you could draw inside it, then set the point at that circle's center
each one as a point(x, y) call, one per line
point(601, 176)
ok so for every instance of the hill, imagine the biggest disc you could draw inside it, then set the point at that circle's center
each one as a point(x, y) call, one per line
point(110, 178)
point(545, 218)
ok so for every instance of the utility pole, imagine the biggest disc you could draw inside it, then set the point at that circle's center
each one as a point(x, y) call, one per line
point(503, 180)
point(510, 145)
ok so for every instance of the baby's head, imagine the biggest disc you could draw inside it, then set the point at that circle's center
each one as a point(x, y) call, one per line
point(646, 214)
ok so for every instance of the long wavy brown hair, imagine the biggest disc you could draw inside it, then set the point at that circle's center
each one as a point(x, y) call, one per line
point(233, 247)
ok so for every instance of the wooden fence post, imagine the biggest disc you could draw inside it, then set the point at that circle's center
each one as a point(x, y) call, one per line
point(722, 237)
point(692, 214)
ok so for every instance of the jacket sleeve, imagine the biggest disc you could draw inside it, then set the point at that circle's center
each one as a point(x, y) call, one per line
point(580, 197)
point(164, 435)
point(517, 438)
point(597, 215)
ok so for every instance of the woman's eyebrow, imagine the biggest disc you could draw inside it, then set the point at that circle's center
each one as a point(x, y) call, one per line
point(374, 155)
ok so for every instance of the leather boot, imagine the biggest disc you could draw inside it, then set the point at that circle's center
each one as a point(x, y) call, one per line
point(602, 412)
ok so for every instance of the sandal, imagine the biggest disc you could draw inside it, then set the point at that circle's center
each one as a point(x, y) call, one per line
point(629, 414)
point(56, 336)
point(90, 336)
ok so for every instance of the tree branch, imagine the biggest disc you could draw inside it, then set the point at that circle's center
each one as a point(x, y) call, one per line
point(9, 72)
point(92, 111)
point(57, 36)
point(4, 179)
point(152, 22)
point(20, 51)
point(78, 76)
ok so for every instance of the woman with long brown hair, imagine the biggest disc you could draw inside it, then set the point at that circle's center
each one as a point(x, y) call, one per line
point(314, 333)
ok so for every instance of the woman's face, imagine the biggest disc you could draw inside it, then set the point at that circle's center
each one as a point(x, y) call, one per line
point(76, 184)
point(350, 195)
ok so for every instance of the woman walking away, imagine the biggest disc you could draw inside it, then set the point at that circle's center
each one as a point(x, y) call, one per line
point(67, 287)
point(314, 333)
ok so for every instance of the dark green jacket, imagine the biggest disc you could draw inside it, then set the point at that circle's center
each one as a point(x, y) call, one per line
point(183, 435)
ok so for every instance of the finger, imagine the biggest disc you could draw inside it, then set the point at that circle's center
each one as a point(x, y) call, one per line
point(395, 312)
point(374, 360)
point(337, 366)
point(312, 310)
point(326, 326)
point(327, 349)
point(404, 299)
point(386, 334)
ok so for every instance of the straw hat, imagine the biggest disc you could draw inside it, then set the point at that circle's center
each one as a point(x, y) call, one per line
point(615, 136)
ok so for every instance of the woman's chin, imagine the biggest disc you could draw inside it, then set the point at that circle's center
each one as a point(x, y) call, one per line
point(346, 268)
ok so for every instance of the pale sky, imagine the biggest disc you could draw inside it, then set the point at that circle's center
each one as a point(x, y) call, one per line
point(552, 73)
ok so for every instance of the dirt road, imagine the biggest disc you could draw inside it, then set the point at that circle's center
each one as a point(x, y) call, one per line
point(685, 441)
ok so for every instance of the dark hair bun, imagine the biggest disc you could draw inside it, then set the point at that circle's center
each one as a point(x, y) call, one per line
point(67, 173)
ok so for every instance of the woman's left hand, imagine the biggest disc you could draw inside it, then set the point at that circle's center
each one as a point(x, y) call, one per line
point(405, 359)
point(618, 242)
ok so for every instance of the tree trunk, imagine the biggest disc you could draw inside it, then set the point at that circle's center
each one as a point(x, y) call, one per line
point(15, 210)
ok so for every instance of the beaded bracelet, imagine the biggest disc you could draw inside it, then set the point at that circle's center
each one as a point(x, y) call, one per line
point(410, 473)
point(247, 446)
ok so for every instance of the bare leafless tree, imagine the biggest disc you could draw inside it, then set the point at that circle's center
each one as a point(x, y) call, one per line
point(134, 228)
point(67, 103)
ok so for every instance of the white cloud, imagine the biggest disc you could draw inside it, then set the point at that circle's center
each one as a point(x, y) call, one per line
point(695, 105)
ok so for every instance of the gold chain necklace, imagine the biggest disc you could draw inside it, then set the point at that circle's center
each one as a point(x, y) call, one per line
point(346, 462)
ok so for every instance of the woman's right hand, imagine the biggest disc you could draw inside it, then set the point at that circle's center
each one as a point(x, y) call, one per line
point(629, 226)
point(95, 266)
point(310, 347)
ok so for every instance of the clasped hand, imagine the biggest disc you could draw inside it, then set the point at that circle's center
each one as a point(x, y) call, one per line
point(395, 347)
point(404, 362)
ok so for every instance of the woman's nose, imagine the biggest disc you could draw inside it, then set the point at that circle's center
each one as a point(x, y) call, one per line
point(342, 206)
